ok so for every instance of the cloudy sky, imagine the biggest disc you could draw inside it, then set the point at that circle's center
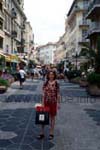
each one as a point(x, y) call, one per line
point(47, 18)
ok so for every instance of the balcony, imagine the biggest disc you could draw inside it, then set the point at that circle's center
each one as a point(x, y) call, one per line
point(83, 41)
point(14, 34)
point(93, 10)
point(94, 29)
point(23, 27)
point(83, 23)
point(1, 14)
point(1, 33)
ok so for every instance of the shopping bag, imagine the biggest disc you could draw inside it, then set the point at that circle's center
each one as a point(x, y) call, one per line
point(42, 115)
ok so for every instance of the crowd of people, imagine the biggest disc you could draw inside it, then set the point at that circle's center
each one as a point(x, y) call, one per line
point(39, 72)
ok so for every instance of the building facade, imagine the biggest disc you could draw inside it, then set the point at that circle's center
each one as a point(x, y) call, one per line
point(46, 53)
point(93, 14)
point(29, 37)
point(60, 52)
point(1, 24)
point(76, 27)
point(14, 26)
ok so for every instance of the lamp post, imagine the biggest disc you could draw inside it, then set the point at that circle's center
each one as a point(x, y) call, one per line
point(75, 55)
point(76, 59)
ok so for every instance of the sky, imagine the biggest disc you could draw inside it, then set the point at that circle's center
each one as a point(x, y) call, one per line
point(47, 18)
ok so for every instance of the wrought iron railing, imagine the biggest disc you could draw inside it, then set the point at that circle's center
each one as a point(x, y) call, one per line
point(95, 2)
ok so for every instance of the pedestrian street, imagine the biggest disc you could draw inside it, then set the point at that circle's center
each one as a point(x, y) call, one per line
point(77, 123)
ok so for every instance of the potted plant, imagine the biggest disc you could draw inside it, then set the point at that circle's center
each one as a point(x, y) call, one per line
point(3, 85)
point(73, 75)
point(93, 57)
point(94, 84)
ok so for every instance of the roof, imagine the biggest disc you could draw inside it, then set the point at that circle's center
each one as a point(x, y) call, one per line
point(71, 7)
point(48, 44)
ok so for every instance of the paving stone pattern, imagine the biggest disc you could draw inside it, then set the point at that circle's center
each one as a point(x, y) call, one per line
point(77, 126)
point(94, 114)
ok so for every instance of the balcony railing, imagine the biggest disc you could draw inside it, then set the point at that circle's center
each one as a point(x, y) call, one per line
point(1, 32)
point(95, 2)
point(95, 27)
point(1, 14)
point(85, 6)
point(84, 23)
point(83, 40)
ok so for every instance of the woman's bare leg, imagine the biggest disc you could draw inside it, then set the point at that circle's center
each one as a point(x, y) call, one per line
point(42, 130)
point(52, 125)
point(41, 135)
point(20, 84)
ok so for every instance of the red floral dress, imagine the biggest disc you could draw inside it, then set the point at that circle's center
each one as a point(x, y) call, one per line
point(51, 91)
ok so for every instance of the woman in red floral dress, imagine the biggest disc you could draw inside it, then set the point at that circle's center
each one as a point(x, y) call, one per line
point(51, 98)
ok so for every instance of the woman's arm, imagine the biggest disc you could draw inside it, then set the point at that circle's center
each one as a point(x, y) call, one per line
point(43, 91)
point(58, 93)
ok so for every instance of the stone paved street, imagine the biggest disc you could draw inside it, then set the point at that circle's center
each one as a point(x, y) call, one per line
point(77, 123)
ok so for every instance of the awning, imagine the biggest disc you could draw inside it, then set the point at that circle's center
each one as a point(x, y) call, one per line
point(2, 54)
point(10, 57)
point(7, 58)
point(14, 58)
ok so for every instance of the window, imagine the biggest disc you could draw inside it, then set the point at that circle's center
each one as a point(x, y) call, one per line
point(84, 33)
point(1, 42)
point(5, 3)
point(7, 48)
point(9, 24)
point(5, 21)
point(1, 24)
point(0, 6)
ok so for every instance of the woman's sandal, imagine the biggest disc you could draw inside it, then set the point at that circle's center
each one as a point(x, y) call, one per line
point(40, 137)
point(51, 136)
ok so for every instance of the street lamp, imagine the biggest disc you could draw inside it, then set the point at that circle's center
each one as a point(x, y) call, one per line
point(75, 55)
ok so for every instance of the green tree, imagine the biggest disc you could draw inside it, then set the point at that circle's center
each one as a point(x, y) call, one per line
point(97, 58)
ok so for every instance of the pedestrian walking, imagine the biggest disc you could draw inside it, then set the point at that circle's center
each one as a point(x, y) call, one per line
point(66, 70)
point(32, 73)
point(22, 75)
point(51, 99)
point(36, 73)
point(44, 72)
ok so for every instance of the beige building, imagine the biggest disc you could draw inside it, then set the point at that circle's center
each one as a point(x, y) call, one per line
point(14, 26)
point(29, 37)
point(60, 52)
point(76, 27)
point(46, 53)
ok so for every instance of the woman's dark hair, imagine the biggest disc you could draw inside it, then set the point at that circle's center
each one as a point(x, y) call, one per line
point(55, 76)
